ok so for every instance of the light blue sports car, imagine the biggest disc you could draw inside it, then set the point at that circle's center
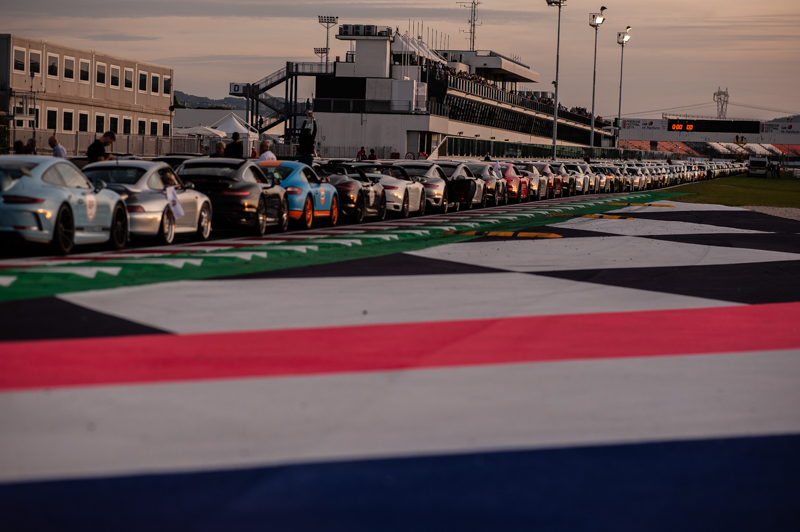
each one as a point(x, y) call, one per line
point(310, 196)
point(48, 200)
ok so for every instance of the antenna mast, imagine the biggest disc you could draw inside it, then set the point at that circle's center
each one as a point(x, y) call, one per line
point(473, 21)
point(721, 97)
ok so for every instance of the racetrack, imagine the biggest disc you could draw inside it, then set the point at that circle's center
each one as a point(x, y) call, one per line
point(618, 362)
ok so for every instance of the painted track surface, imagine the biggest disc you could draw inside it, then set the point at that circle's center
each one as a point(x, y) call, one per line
point(610, 363)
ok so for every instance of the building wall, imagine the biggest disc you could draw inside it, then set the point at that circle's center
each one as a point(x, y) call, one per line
point(110, 99)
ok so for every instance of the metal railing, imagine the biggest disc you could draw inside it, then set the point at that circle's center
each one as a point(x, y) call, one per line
point(273, 79)
point(337, 105)
point(311, 68)
point(77, 143)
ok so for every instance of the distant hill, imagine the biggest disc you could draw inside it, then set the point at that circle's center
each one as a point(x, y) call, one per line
point(201, 102)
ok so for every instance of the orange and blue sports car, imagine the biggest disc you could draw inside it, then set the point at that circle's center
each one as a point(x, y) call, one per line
point(310, 196)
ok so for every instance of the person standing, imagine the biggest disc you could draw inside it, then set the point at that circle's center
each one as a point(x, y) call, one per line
point(372, 156)
point(219, 150)
point(30, 148)
point(777, 169)
point(19, 148)
point(235, 150)
point(488, 157)
point(362, 154)
point(58, 149)
point(308, 137)
point(266, 154)
point(97, 149)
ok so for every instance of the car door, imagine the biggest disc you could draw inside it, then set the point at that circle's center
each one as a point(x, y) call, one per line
point(321, 198)
point(270, 192)
point(186, 197)
point(92, 211)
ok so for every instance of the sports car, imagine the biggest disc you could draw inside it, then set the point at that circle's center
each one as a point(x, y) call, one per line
point(460, 171)
point(309, 195)
point(539, 184)
point(516, 182)
point(553, 179)
point(241, 195)
point(495, 186)
point(48, 200)
point(360, 196)
point(143, 184)
point(440, 192)
point(404, 194)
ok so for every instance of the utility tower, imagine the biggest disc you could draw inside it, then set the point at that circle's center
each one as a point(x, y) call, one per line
point(721, 97)
point(473, 21)
point(328, 22)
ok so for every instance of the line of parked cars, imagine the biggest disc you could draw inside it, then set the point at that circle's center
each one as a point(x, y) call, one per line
point(52, 201)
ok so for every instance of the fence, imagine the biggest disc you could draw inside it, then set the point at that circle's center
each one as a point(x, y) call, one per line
point(77, 143)
point(465, 147)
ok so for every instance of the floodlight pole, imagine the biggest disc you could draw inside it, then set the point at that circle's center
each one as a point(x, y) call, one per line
point(558, 3)
point(328, 22)
point(622, 38)
point(595, 20)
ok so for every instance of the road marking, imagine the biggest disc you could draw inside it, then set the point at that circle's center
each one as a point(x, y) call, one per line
point(175, 263)
point(504, 234)
point(600, 216)
point(349, 243)
point(244, 255)
point(89, 273)
point(301, 249)
point(6, 281)
point(641, 205)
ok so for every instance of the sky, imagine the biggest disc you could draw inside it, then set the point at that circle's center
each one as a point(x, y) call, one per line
point(680, 52)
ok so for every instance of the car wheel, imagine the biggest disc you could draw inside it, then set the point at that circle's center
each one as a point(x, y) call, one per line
point(422, 204)
point(482, 204)
point(445, 203)
point(333, 217)
point(204, 223)
point(406, 207)
point(358, 211)
point(118, 235)
point(496, 196)
point(166, 232)
point(260, 223)
point(63, 232)
point(382, 208)
point(307, 217)
point(283, 217)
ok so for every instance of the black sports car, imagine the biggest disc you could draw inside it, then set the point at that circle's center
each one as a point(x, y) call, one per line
point(359, 196)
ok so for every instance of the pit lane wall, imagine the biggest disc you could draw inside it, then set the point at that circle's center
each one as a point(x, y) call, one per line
point(652, 129)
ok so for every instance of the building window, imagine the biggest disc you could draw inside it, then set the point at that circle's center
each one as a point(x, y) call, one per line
point(99, 123)
point(126, 126)
point(83, 122)
point(67, 121)
point(165, 129)
point(167, 85)
point(142, 126)
point(101, 74)
point(154, 129)
point(52, 65)
point(115, 76)
point(142, 81)
point(84, 71)
point(155, 82)
point(69, 68)
point(113, 124)
point(52, 119)
point(35, 62)
point(19, 60)
point(128, 79)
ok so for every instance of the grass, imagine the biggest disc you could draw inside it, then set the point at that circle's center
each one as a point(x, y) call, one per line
point(740, 190)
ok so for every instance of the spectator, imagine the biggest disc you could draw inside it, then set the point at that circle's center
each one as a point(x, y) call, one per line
point(362, 154)
point(235, 150)
point(58, 149)
point(219, 150)
point(253, 154)
point(488, 157)
point(266, 154)
point(97, 149)
point(19, 148)
point(308, 136)
point(30, 148)
point(372, 156)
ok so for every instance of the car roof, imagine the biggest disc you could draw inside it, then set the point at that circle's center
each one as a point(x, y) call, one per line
point(129, 163)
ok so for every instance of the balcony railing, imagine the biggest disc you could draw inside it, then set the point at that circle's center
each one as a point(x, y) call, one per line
point(336, 105)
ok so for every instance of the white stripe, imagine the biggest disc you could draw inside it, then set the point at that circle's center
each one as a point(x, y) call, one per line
point(116, 430)
point(643, 227)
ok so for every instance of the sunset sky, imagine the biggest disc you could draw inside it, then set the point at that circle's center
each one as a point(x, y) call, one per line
point(679, 53)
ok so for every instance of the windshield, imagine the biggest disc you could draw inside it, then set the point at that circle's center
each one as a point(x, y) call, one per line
point(10, 171)
point(272, 172)
point(124, 175)
point(417, 170)
point(448, 170)
point(574, 168)
point(758, 164)
point(208, 171)
point(391, 171)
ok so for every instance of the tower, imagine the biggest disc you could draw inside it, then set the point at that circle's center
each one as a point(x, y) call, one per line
point(473, 21)
point(721, 97)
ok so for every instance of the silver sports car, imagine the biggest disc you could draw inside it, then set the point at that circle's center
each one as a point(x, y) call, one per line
point(143, 185)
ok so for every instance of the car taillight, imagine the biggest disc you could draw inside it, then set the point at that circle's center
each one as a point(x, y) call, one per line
point(135, 208)
point(389, 187)
point(20, 200)
point(431, 185)
point(346, 187)
point(235, 193)
point(509, 178)
point(293, 191)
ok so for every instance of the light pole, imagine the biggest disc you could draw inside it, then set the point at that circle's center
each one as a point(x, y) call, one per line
point(595, 21)
point(558, 3)
point(328, 22)
point(321, 52)
point(622, 39)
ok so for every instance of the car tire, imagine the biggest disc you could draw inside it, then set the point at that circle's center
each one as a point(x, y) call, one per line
point(63, 231)
point(283, 217)
point(404, 212)
point(422, 204)
point(445, 202)
point(482, 204)
point(204, 223)
point(166, 230)
point(382, 208)
point(118, 234)
point(333, 216)
point(260, 224)
point(358, 211)
point(307, 216)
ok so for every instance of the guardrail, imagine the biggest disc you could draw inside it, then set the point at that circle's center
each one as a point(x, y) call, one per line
point(77, 143)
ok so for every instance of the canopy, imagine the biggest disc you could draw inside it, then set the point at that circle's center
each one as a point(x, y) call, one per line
point(403, 44)
point(233, 124)
point(200, 131)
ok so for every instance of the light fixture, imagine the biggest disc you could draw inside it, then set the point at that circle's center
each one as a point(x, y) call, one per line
point(595, 21)
point(328, 21)
point(622, 40)
point(623, 36)
point(559, 4)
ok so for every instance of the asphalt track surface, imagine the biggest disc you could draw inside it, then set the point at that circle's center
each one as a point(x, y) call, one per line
point(612, 362)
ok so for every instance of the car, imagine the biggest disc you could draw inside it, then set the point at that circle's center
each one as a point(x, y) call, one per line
point(539, 184)
point(554, 181)
point(440, 192)
point(757, 166)
point(460, 171)
point(583, 181)
point(517, 184)
point(48, 200)
point(568, 181)
point(360, 196)
point(495, 185)
point(309, 196)
point(143, 184)
point(242, 196)
point(405, 194)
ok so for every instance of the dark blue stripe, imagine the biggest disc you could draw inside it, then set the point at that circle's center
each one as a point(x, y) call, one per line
point(733, 484)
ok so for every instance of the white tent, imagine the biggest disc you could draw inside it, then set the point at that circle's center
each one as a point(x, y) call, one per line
point(201, 131)
point(404, 44)
point(233, 124)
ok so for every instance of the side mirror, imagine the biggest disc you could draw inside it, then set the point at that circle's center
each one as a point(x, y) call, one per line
point(324, 180)
point(99, 185)
point(188, 186)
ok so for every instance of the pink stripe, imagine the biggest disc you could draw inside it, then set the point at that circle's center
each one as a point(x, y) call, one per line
point(139, 359)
